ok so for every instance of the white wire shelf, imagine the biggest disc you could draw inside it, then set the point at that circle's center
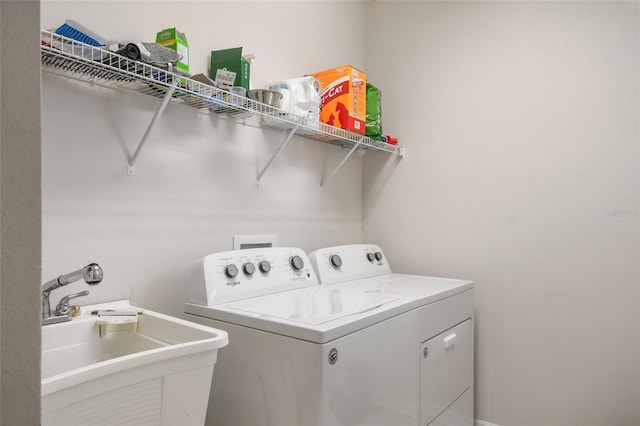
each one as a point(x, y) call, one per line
point(95, 65)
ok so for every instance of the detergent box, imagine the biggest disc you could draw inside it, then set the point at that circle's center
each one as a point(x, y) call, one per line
point(175, 40)
point(343, 97)
point(229, 68)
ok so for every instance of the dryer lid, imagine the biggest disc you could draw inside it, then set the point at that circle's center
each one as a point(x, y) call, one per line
point(314, 305)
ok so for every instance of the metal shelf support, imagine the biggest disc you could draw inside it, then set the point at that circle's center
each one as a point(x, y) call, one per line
point(284, 143)
point(325, 182)
point(131, 169)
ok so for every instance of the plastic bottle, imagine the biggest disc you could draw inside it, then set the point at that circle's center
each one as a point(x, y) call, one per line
point(301, 99)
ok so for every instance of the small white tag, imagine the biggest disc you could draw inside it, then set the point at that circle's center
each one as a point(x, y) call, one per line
point(225, 77)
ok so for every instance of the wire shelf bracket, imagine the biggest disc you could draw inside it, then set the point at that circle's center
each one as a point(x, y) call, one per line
point(284, 143)
point(325, 182)
point(131, 168)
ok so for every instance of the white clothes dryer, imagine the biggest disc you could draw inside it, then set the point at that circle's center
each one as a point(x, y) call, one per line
point(302, 353)
point(445, 378)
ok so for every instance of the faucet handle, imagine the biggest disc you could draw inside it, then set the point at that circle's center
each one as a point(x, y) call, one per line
point(63, 307)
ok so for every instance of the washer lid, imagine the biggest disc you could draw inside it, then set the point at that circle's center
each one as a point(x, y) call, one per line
point(315, 305)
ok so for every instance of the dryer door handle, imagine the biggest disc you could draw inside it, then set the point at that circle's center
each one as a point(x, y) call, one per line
point(450, 340)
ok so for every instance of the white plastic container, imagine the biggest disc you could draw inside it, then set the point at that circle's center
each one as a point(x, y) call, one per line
point(300, 100)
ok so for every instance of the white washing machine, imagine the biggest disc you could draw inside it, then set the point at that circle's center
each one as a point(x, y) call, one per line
point(310, 354)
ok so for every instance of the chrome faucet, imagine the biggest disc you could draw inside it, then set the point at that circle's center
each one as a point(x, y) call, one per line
point(92, 275)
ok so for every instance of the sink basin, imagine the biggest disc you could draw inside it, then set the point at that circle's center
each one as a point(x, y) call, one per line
point(132, 369)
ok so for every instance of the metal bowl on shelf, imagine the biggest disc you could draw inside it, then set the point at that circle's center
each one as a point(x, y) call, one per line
point(267, 97)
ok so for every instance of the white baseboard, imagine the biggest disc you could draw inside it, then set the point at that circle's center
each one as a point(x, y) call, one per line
point(477, 422)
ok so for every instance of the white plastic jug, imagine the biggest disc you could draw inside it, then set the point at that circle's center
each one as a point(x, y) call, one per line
point(301, 99)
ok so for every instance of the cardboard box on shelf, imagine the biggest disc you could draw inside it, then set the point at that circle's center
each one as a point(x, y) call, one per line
point(343, 97)
point(229, 68)
point(175, 40)
point(201, 78)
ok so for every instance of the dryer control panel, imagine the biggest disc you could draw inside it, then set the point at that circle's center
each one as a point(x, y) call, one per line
point(240, 274)
point(350, 262)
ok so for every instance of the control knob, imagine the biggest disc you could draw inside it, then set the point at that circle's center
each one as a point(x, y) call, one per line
point(231, 270)
point(264, 266)
point(249, 268)
point(335, 261)
point(296, 263)
point(370, 257)
point(378, 255)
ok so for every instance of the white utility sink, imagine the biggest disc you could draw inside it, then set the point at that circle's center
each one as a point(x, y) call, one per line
point(132, 369)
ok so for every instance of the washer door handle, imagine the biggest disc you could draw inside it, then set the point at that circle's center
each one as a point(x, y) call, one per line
point(450, 340)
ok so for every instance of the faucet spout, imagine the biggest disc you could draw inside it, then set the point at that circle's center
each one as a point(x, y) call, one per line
point(92, 275)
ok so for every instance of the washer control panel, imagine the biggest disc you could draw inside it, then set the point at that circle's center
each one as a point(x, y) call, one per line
point(349, 262)
point(239, 274)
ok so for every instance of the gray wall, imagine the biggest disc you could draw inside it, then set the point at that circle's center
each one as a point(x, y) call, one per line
point(521, 126)
point(20, 218)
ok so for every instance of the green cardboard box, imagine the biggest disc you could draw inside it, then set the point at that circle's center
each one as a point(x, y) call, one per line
point(175, 40)
point(225, 63)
